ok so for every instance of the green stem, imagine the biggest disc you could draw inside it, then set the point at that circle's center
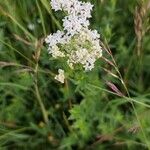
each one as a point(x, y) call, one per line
point(44, 112)
point(43, 109)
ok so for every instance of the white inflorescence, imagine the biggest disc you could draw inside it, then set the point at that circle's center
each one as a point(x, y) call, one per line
point(60, 77)
point(77, 43)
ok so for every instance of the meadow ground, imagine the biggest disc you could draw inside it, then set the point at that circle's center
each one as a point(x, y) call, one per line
point(106, 108)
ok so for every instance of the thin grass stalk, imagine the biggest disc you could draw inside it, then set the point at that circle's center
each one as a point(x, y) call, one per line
point(128, 94)
point(37, 92)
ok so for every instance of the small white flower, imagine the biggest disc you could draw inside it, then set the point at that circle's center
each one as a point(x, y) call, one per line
point(60, 77)
point(56, 4)
point(31, 26)
point(85, 10)
point(55, 38)
point(93, 34)
point(54, 50)
point(72, 24)
point(89, 65)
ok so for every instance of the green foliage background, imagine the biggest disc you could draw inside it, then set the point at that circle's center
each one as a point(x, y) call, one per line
point(36, 112)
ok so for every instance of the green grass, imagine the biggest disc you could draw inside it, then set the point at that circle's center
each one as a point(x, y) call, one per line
point(36, 112)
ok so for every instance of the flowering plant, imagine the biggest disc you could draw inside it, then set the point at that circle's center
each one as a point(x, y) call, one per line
point(77, 44)
point(80, 47)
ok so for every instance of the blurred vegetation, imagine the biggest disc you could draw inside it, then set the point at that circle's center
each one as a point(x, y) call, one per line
point(36, 112)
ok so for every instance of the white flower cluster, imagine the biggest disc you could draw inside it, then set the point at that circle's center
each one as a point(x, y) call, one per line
point(60, 77)
point(87, 49)
point(76, 42)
